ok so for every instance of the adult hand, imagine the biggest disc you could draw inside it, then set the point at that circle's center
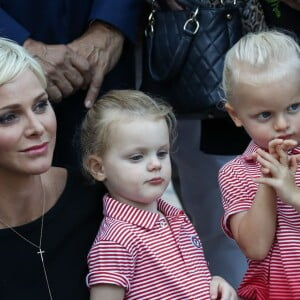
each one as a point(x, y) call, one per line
point(65, 70)
point(295, 4)
point(102, 46)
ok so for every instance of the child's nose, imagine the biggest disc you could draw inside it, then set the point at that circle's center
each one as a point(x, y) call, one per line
point(154, 164)
point(281, 123)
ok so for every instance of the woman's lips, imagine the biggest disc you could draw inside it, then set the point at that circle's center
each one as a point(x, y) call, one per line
point(37, 149)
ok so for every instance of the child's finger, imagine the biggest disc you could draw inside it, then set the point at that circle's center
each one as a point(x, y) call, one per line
point(288, 145)
point(269, 165)
point(265, 171)
point(263, 157)
point(264, 180)
point(214, 290)
point(297, 156)
point(283, 156)
point(273, 147)
point(293, 163)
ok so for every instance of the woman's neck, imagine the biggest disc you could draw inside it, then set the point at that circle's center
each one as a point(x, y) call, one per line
point(21, 199)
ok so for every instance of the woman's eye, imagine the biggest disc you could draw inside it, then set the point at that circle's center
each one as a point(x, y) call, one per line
point(294, 107)
point(41, 106)
point(7, 118)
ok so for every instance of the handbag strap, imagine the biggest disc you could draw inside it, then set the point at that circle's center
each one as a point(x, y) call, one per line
point(192, 4)
point(190, 28)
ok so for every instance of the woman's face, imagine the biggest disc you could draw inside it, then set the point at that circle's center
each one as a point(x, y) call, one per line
point(27, 126)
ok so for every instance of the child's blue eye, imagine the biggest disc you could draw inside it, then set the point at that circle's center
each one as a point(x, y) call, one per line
point(264, 115)
point(294, 107)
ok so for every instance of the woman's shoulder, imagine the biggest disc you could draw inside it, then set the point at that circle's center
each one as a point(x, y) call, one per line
point(71, 184)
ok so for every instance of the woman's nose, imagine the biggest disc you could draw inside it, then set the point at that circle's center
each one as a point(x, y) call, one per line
point(34, 125)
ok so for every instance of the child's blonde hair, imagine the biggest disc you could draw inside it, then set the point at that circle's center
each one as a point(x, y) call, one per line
point(116, 106)
point(14, 59)
point(260, 58)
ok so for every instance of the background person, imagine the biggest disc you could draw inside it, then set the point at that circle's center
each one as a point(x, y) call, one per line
point(84, 47)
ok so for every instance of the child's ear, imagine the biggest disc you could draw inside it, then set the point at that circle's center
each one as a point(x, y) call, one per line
point(232, 113)
point(96, 168)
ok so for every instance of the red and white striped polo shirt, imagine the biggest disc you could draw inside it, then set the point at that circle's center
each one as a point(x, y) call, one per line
point(278, 275)
point(139, 251)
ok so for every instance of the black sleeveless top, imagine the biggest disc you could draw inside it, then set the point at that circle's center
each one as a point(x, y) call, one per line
point(69, 230)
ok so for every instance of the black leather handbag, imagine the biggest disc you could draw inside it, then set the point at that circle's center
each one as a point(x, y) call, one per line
point(184, 55)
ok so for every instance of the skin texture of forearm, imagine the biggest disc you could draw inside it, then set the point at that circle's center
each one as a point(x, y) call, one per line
point(255, 229)
point(295, 200)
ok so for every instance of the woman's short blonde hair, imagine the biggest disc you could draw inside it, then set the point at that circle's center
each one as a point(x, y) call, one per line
point(116, 106)
point(260, 58)
point(14, 59)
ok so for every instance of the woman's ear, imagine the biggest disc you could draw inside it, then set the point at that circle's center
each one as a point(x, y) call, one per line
point(233, 114)
point(96, 168)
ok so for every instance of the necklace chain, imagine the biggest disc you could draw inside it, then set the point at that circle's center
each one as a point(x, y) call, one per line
point(39, 246)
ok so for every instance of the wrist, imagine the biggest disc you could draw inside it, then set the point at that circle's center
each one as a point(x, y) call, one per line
point(295, 199)
point(97, 25)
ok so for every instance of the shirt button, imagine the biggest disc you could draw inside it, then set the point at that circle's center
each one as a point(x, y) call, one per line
point(162, 223)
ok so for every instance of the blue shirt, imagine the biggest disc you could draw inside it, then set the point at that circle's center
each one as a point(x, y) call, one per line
point(61, 21)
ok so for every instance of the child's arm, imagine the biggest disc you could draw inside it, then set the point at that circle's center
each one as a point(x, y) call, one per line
point(221, 289)
point(254, 230)
point(107, 291)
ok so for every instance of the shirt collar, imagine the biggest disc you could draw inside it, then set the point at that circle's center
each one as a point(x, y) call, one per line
point(136, 216)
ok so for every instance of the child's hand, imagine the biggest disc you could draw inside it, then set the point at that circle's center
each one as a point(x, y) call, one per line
point(279, 148)
point(279, 144)
point(220, 289)
point(278, 172)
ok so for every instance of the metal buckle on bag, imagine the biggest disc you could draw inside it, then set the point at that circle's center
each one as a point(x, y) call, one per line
point(222, 2)
point(151, 20)
point(193, 23)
